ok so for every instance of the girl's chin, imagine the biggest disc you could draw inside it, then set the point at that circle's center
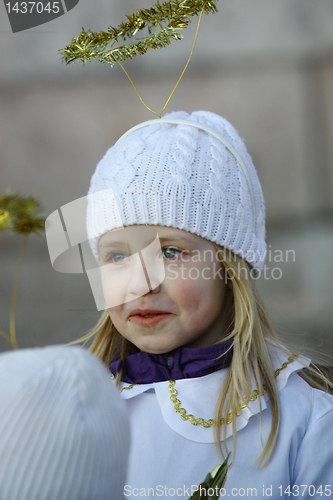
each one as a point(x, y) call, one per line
point(156, 350)
point(153, 348)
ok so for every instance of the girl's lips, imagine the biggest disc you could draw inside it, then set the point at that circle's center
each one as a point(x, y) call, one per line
point(149, 320)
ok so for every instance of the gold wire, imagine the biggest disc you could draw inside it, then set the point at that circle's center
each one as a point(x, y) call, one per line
point(136, 90)
point(181, 76)
point(188, 61)
point(4, 335)
point(14, 296)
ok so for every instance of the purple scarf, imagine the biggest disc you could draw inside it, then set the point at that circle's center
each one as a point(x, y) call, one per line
point(184, 362)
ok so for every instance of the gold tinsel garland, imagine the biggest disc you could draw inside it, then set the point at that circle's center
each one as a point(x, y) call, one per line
point(90, 45)
point(18, 215)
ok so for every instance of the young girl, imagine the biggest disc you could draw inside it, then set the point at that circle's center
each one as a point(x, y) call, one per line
point(179, 232)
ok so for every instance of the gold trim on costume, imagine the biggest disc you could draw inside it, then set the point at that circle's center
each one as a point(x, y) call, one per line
point(210, 422)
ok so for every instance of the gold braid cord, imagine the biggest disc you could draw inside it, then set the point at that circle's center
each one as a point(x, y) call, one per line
point(210, 422)
point(90, 45)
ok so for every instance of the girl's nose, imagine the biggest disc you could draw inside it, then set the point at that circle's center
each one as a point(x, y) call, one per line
point(153, 263)
point(123, 283)
point(138, 283)
point(148, 270)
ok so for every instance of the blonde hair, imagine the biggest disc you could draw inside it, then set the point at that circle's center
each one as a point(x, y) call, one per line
point(250, 328)
point(250, 354)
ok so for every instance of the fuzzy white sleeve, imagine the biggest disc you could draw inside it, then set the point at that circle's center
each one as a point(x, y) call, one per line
point(314, 464)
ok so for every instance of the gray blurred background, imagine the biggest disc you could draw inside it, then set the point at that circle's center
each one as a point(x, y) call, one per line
point(266, 65)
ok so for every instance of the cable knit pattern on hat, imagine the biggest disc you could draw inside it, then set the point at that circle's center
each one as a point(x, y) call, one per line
point(177, 189)
point(180, 176)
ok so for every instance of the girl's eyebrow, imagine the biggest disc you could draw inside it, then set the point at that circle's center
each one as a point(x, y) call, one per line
point(176, 238)
point(112, 243)
point(162, 239)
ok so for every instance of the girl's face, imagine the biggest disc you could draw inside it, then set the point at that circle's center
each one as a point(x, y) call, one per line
point(171, 277)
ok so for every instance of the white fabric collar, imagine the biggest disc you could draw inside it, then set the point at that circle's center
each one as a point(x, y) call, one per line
point(199, 395)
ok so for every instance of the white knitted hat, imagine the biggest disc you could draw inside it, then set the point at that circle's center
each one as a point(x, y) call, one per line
point(190, 172)
point(64, 432)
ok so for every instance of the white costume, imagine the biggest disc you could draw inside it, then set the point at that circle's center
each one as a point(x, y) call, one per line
point(169, 455)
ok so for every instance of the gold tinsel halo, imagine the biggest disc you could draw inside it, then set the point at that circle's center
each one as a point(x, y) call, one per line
point(90, 45)
point(19, 214)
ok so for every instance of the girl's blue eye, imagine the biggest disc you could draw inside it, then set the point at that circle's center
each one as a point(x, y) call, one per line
point(171, 253)
point(116, 257)
point(120, 257)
